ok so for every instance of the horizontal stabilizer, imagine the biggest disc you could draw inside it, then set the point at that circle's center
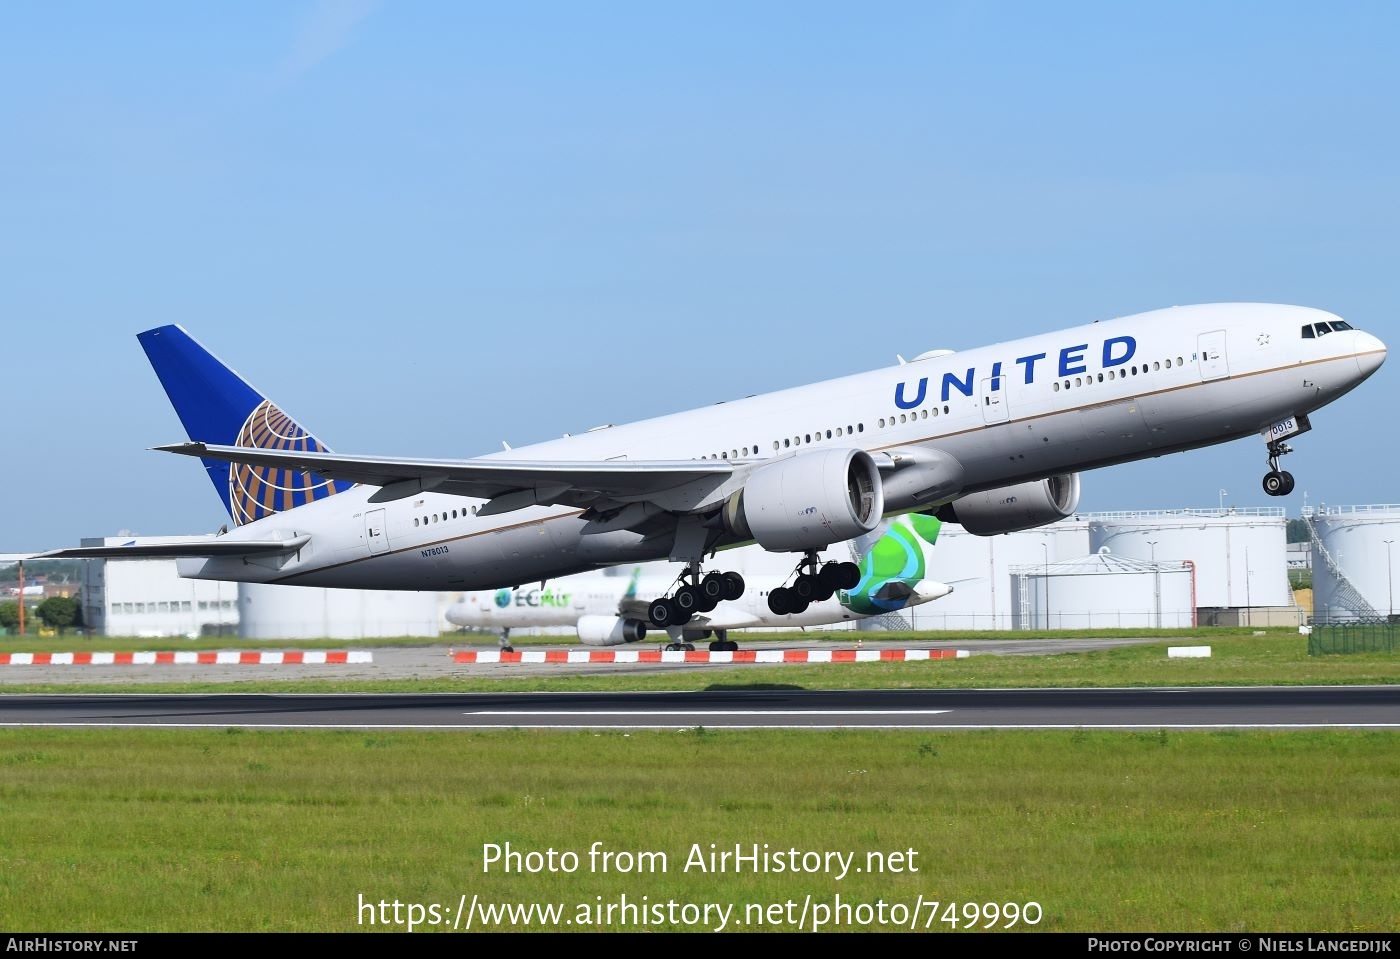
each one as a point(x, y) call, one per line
point(194, 547)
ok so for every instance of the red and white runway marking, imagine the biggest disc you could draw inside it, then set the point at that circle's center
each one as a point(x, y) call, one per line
point(540, 656)
point(312, 657)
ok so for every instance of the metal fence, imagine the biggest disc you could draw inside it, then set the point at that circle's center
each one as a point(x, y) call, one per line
point(1373, 637)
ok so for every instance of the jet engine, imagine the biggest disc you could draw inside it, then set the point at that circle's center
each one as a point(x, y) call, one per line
point(808, 501)
point(1008, 509)
point(610, 630)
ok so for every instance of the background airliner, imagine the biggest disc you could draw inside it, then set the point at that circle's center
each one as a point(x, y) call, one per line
point(611, 610)
point(993, 438)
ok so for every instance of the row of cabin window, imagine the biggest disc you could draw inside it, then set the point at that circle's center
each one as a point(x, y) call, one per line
point(1157, 366)
point(910, 417)
point(788, 443)
point(442, 517)
point(174, 606)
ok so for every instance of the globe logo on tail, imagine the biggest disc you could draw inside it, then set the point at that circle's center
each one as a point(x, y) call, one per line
point(256, 492)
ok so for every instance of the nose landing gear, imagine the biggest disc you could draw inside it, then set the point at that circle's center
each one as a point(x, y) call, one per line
point(1278, 482)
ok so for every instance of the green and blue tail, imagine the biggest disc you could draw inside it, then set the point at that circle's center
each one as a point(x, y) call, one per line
point(893, 565)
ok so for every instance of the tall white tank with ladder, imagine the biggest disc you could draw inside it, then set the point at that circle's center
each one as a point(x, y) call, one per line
point(1355, 571)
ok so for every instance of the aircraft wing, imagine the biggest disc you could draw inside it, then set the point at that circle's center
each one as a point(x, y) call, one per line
point(509, 484)
point(726, 616)
point(194, 546)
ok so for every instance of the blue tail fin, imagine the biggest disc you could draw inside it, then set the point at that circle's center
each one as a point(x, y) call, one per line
point(217, 406)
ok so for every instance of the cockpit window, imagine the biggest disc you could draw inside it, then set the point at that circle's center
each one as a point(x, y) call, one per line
point(1314, 330)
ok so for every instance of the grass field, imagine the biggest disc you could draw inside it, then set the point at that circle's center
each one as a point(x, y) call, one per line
point(185, 830)
point(156, 830)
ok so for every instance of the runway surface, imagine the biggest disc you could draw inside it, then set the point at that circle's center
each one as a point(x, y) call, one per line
point(1270, 707)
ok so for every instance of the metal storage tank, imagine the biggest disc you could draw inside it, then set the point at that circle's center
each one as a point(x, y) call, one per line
point(979, 570)
point(1241, 555)
point(1104, 591)
point(314, 612)
point(1354, 561)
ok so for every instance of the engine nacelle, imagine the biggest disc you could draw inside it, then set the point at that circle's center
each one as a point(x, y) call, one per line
point(1012, 508)
point(610, 630)
point(808, 501)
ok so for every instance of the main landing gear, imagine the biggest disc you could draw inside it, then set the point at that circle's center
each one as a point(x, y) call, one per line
point(683, 640)
point(815, 582)
point(697, 594)
point(1278, 482)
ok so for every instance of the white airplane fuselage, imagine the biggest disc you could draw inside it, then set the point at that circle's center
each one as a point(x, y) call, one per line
point(1091, 396)
point(563, 603)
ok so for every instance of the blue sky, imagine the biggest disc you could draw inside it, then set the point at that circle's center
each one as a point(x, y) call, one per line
point(423, 228)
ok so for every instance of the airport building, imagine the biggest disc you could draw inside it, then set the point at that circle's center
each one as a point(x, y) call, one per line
point(147, 597)
point(315, 612)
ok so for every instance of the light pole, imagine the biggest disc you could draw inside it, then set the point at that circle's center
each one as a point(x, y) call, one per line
point(1389, 581)
point(1223, 494)
point(1156, 585)
point(1046, 576)
point(1248, 581)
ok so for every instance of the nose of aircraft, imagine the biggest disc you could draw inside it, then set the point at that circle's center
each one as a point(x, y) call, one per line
point(1370, 353)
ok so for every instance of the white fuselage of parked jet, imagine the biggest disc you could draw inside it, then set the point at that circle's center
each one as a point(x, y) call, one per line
point(567, 601)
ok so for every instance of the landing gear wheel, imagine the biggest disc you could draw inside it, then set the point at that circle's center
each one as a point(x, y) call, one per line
point(662, 613)
point(831, 576)
point(1275, 484)
point(850, 576)
point(713, 586)
point(799, 605)
point(805, 588)
point(733, 586)
point(687, 599)
point(780, 601)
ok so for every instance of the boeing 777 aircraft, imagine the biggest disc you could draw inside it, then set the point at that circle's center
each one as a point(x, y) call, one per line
point(993, 438)
point(609, 610)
